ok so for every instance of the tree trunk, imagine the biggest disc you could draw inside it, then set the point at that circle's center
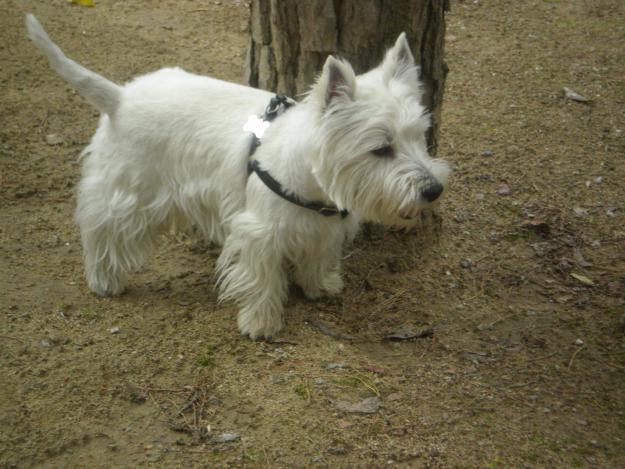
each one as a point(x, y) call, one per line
point(290, 40)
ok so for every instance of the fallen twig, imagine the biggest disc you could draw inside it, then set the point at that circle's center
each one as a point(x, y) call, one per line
point(574, 355)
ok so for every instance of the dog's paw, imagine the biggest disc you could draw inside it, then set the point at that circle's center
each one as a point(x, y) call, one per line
point(333, 283)
point(258, 324)
point(312, 294)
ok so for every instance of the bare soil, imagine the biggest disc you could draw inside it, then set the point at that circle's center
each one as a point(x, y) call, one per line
point(520, 280)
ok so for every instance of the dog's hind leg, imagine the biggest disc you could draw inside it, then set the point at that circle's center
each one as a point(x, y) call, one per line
point(251, 273)
point(118, 231)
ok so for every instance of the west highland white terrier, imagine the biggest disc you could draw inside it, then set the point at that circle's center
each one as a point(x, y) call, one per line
point(171, 147)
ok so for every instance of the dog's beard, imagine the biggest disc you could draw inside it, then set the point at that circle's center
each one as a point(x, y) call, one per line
point(378, 191)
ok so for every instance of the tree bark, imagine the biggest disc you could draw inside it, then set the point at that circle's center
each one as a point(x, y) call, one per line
point(290, 40)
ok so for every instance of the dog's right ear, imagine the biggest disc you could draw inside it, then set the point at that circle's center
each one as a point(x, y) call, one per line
point(336, 83)
point(399, 62)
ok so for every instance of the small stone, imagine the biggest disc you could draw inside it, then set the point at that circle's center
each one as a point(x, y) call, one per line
point(369, 405)
point(47, 343)
point(599, 179)
point(487, 153)
point(465, 263)
point(337, 450)
point(54, 139)
point(336, 366)
point(319, 381)
point(114, 330)
point(572, 95)
point(611, 211)
point(580, 212)
point(579, 342)
point(504, 189)
point(226, 437)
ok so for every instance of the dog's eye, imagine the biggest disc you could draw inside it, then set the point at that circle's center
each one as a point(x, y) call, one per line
point(384, 152)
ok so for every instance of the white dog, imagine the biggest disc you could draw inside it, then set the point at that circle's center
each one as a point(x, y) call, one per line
point(171, 147)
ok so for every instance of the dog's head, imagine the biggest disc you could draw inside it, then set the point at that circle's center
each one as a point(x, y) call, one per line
point(372, 129)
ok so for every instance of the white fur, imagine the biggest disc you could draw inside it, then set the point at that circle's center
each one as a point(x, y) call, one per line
point(170, 149)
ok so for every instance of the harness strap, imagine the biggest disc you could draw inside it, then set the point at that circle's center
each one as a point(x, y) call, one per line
point(277, 104)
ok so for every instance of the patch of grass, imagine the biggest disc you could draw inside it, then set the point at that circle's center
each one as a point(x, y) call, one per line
point(301, 390)
point(89, 314)
point(206, 359)
point(347, 381)
point(253, 455)
point(497, 463)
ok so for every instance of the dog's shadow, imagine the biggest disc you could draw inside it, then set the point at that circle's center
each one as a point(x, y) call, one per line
point(383, 271)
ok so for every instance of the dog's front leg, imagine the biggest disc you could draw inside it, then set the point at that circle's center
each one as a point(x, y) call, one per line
point(318, 268)
point(252, 274)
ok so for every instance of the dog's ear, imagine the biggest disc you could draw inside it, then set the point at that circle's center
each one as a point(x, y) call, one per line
point(337, 82)
point(399, 62)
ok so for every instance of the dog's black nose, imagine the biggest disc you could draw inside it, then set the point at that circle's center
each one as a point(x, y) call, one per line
point(432, 192)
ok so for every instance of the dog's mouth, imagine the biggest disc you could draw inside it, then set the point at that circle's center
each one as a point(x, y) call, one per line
point(409, 215)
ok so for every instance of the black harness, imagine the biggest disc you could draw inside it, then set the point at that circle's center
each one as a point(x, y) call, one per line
point(279, 104)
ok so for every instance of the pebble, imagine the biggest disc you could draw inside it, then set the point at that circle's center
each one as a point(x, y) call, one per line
point(47, 343)
point(487, 153)
point(572, 95)
point(335, 366)
point(115, 330)
point(579, 342)
point(580, 212)
point(226, 437)
point(337, 450)
point(611, 211)
point(504, 189)
point(369, 405)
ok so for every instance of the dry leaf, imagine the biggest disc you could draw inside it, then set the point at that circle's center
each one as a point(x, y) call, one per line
point(84, 3)
point(582, 278)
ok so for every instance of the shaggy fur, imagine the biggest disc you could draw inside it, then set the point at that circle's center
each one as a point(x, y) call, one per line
point(170, 148)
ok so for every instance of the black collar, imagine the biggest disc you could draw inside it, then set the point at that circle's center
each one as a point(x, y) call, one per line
point(277, 106)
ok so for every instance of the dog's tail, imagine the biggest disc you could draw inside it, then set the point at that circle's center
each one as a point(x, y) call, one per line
point(102, 93)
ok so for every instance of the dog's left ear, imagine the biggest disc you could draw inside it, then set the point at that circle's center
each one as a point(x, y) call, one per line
point(336, 83)
point(399, 62)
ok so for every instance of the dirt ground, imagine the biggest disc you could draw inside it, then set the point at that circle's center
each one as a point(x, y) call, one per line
point(518, 290)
